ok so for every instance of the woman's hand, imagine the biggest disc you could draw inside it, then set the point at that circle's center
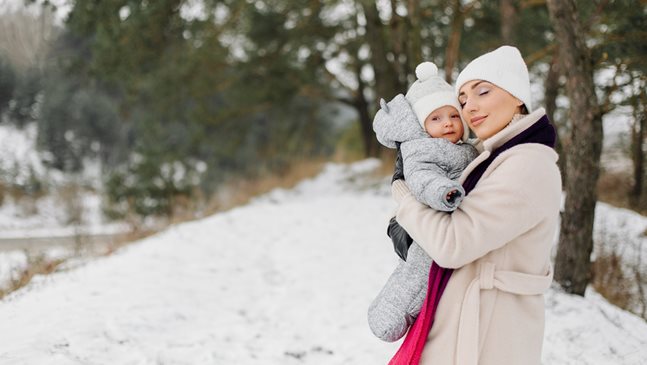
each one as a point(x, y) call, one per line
point(399, 190)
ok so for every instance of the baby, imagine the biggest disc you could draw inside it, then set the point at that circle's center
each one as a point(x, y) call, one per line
point(432, 135)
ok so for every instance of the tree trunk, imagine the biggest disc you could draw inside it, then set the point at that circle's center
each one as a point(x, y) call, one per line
point(371, 145)
point(550, 97)
point(454, 41)
point(508, 20)
point(386, 81)
point(398, 32)
point(573, 262)
point(414, 49)
point(639, 135)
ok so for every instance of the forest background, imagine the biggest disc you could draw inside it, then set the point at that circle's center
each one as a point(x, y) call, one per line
point(184, 103)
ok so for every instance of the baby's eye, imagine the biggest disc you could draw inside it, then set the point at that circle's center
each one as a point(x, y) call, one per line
point(435, 119)
point(455, 116)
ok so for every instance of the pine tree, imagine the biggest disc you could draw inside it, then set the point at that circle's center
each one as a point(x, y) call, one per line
point(573, 262)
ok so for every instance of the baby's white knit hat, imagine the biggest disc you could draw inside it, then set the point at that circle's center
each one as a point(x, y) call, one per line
point(430, 92)
point(505, 68)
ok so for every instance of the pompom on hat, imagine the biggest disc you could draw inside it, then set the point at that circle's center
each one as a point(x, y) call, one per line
point(505, 68)
point(430, 92)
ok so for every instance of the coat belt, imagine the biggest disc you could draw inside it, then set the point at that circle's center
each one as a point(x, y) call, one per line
point(467, 352)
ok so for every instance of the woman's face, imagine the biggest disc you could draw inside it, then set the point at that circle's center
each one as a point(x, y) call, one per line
point(487, 108)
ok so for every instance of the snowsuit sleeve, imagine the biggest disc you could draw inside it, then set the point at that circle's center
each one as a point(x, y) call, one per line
point(396, 122)
point(431, 169)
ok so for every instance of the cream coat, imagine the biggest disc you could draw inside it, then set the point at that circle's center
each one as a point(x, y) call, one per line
point(499, 241)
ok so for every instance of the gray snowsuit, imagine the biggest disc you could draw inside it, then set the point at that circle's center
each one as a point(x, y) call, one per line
point(431, 169)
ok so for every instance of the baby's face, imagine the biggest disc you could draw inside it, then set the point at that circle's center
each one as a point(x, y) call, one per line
point(445, 122)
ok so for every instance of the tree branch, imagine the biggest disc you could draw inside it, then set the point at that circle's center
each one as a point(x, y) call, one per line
point(540, 54)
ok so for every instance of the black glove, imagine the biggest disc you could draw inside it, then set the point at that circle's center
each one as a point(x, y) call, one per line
point(400, 238)
point(398, 172)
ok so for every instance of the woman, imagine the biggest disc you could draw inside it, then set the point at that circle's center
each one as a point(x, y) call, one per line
point(498, 241)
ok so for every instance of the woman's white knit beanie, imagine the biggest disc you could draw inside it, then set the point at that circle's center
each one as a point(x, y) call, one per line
point(430, 92)
point(505, 68)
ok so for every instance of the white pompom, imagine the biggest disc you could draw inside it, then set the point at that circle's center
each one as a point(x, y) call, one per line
point(426, 70)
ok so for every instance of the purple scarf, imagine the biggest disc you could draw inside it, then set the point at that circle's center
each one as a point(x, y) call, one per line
point(410, 351)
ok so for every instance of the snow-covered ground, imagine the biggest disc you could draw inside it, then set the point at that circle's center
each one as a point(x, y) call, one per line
point(623, 233)
point(29, 222)
point(50, 215)
point(285, 279)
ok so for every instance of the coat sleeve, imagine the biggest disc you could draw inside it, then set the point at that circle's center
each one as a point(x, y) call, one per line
point(504, 205)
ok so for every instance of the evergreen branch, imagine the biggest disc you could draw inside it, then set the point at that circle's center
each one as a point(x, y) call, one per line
point(540, 54)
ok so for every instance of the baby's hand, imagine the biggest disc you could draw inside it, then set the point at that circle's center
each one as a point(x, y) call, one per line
point(451, 195)
point(396, 121)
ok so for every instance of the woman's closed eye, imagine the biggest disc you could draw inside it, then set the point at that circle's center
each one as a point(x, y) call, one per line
point(483, 91)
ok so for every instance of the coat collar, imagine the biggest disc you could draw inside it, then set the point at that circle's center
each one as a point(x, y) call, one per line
point(486, 147)
point(513, 128)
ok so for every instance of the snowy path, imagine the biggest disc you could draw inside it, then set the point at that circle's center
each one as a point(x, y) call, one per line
point(284, 280)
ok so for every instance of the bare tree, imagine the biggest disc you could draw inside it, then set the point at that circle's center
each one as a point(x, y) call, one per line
point(24, 37)
point(573, 261)
point(394, 51)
